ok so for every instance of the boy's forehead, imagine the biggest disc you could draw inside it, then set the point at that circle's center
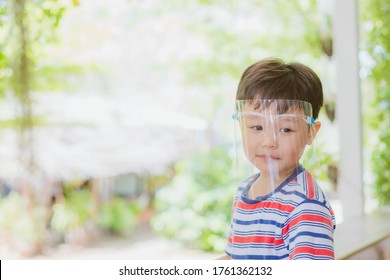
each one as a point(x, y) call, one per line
point(271, 108)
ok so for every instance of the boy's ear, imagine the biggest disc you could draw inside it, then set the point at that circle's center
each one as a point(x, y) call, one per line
point(313, 132)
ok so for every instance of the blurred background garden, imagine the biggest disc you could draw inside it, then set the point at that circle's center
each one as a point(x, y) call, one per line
point(115, 116)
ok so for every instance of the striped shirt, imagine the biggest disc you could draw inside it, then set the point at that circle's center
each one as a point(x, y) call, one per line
point(296, 221)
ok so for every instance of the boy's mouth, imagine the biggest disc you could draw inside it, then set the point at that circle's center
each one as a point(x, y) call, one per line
point(268, 157)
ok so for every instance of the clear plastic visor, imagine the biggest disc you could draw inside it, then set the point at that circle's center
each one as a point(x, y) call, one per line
point(271, 136)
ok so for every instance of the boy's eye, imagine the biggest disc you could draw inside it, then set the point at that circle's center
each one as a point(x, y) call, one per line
point(285, 130)
point(257, 127)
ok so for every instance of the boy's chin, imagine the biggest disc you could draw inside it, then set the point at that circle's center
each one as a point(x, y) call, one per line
point(277, 170)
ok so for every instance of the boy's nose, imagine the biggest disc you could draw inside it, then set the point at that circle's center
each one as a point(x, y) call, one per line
point(269, 137)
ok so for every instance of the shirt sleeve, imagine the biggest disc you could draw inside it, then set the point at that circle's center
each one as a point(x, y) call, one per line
point(309, 231)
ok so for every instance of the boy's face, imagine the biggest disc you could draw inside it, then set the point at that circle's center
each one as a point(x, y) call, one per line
point(274, 142)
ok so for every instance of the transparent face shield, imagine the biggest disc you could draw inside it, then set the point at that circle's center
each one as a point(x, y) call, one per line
point(271, 136)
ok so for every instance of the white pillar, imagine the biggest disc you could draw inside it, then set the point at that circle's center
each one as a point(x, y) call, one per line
point(348, 107)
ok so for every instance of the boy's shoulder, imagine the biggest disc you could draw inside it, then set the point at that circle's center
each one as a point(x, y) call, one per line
point(308, 195)
point(305, 186)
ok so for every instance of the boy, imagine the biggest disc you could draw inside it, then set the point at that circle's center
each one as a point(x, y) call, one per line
point(280, 212)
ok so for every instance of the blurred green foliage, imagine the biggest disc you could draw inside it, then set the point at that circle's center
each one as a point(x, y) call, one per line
point(195, 207)
point(27, 29)
point(118, 215)
point(376, 13)
point(24, 224)
point(77, 208)
point(40, 19)
point(80, 206)
point(317, 160)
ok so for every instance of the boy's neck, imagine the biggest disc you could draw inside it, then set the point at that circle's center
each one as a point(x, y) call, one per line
point(266, 184)
point(263, 185)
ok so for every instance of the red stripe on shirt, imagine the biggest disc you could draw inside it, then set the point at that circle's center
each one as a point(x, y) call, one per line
point(311, 251)
point(310, 186)
point(265, 204)
point(307, 218)
point(258, 239)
